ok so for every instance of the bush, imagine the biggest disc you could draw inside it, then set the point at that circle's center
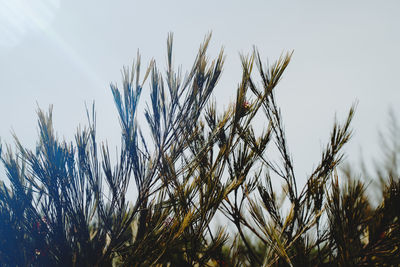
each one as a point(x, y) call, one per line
point(67, 203)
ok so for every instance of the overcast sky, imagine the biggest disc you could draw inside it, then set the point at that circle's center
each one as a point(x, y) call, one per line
point(66, 53)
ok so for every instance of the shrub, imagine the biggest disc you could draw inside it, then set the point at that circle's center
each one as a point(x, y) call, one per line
point(67, 205)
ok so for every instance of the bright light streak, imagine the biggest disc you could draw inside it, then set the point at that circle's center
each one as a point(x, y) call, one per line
point(20, 17)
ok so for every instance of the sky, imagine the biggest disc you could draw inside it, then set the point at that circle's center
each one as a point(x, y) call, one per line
point(66, 53)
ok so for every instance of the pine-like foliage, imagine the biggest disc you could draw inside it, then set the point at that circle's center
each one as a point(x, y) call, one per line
point(67, 202)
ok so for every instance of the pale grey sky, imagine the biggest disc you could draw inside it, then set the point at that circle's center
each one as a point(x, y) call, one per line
point(67, 52)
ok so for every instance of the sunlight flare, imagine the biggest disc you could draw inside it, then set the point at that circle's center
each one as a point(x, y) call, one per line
point(20, 17)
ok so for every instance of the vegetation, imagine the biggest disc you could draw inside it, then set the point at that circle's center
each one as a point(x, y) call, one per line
point(66, 203)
